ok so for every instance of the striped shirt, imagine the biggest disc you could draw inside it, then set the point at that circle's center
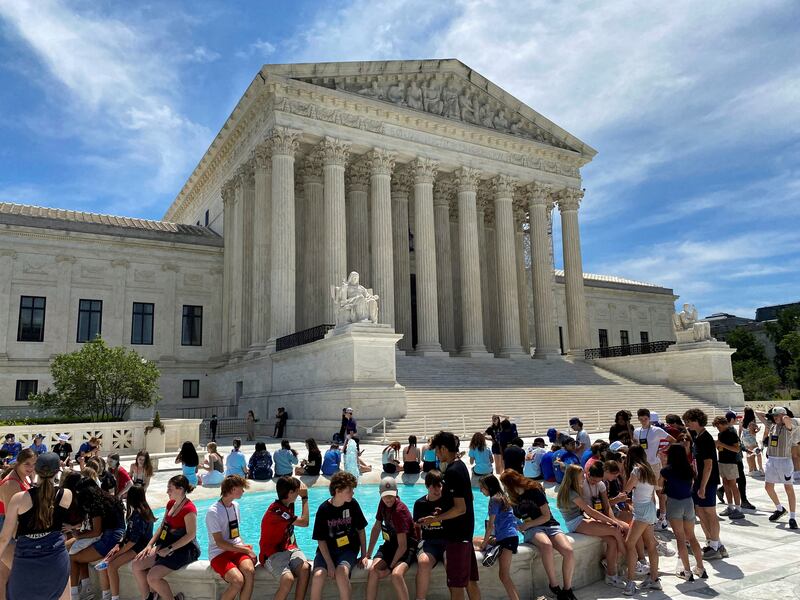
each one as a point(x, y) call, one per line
point(783, 449)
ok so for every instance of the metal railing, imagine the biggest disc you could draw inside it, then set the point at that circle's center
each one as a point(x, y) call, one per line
point(205, 412)
point(306, 336)
point(628, 349)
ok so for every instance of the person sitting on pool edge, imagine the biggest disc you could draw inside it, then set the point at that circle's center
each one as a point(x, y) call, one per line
point(339, 529)
point(399, 549)
point(279, 552)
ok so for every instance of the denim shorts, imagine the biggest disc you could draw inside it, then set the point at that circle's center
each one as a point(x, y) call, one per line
point(680, 509)
point(644, 512)
point(548, 530)
point(573, 524)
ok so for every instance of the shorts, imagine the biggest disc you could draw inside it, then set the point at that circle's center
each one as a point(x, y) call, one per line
point(108, 540)
point(390, 468)
point(461, 565)
point(711, 497)
point(680, 509)
point(410, 467)
point(82, 543)
point(573, 524)
point(222, 563)
point(548, 530)
point(778, 470)
point(346, 556)
point(509, 543)
point(434, 548)
point(389, 549)
point(729, 471)
point(288, 561)
point(644, 512)
point(428, 465)
point(185, 555)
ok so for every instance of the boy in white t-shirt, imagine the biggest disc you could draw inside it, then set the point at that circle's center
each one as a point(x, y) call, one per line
point(649, 437)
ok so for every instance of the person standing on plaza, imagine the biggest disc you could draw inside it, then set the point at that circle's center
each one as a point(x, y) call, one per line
point(250, 425)
point(212, 425)
point(621, 430)
point(493, 433)
point(728, 447)
point(278, 549)
point(231, 558)
point(582, 440)
point(650, 437)
point(514, 455)
point(281, 417)
point(779, 467)
point(459, 521)
point(15, 479)
point(35, 516)
point(704, 491)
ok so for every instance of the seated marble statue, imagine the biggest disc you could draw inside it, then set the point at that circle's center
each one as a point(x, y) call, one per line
point(354, 302)
point(688, 328)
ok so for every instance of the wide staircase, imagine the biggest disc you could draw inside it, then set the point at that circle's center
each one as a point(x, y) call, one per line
point(461, 395)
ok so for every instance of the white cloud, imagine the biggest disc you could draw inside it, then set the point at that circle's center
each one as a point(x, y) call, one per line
point(117, 90)
point(260, 48)
point(201, 54)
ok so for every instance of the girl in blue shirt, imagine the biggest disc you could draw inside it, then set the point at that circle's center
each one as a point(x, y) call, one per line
point(285, 459)
point(480, 455)
point(502, 526)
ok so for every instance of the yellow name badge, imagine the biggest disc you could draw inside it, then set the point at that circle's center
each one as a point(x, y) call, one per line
point(436, 524)
point(598, 506)
point(342, 541)
point(643, 445)
point(234, 533)
point(385, 536)
point(163, 535)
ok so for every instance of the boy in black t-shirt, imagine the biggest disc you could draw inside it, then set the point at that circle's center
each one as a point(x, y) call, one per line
point(728, 447)
point(339, 531)
point(434, 542)
point(459, 521)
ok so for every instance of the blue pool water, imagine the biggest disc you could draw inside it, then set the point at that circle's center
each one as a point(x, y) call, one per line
point(253, 505)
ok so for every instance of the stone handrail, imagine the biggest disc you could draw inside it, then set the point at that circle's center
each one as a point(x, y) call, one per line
point(116, 435)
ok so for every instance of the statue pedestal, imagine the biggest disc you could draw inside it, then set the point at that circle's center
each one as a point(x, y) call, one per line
point(702, 369)
point(353, 366)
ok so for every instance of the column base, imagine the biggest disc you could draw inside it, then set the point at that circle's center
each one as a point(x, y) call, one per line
point(514, 353)
point(576, 354)
point(547, 354)
point(475, 352)
point(434, 350)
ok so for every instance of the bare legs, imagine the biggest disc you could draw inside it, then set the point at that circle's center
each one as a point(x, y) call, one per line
point(287, 579)
point(615, 545)
point(640, 529)
point(546, 544)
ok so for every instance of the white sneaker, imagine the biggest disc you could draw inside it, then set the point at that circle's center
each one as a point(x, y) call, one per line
point(642, 568)
point(615, 581)
point(664, 524)
point(664, 549)
point(630, 588)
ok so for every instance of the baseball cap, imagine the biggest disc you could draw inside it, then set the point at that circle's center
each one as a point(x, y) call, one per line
point(39, 436)
point(10, 435)
point(63, 437)
point(778, 410)
point(551, 434)
point(48, 464)
point(348, 409)
point(388, 487)
point(730, 415)
point(616, 446)
point(653, 416)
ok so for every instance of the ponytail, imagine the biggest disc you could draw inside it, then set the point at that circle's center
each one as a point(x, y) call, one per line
point(43, 517)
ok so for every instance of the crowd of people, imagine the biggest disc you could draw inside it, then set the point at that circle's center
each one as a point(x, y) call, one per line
point(63, 513)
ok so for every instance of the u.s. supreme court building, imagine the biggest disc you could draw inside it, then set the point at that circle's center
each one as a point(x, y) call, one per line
point(430, 181)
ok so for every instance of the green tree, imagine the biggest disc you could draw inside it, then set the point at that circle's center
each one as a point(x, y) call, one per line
point(99, 382)
point(788, 321)
point(790, 344)
point(748, 348)
point(759, 381)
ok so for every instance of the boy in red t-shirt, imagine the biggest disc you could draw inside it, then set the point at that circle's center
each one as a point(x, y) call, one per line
point(278, 548)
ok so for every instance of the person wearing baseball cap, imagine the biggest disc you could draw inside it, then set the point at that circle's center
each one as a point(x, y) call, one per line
point(41, 563)
point(63, 449)
point(779, 468)
point(399, 548)
point(38, 444)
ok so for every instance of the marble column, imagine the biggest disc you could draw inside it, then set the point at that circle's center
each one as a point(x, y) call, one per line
point(483, 255)
point(262, 210)
point(7, 258)
point(358, 255)
point(302, 298)
point(228, 198)
point(424, 171)
point(522, 277)
point(317, 294)
point(492, 338)
point(381, 165)
point(455, 250)
point(237, 231)
point(569, 200)
point(469, 225)
point(444, 264)
point(283, 143)
point(401, 182)
point(508, 292)
point(542, 274)
point(334, 157)
point(248, 215)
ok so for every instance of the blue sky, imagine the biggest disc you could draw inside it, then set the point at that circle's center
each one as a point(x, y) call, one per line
point(694, 108)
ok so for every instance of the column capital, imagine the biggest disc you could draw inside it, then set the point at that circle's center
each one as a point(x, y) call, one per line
point(262, 157)
point(334, 151)
point(424, 170)
point(503, 186)
point(540, 193)
point(284, 141)
point(357, 176)
point(228, 191)
point(245, 174)
point(569, 199)
point(466, 179)
point(311, 169)
point(380, 161)
point(443, 191)
point(402, 181)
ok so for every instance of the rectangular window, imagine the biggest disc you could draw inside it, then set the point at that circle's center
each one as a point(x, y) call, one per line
point(644, 337)
point(192, 328)
point(191, 388)
point(31, 319)
point(603, 338)
point(623, 338)
point(206, 219)
point(26, 387)
point(142, 323)
point(90, 320)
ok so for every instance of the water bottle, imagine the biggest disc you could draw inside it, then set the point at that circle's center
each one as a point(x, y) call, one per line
point(101, 566)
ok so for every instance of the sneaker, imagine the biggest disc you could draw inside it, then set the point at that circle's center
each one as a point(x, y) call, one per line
point(557, 592)
point(630, 588)
point(735, 515)
point(777, 514)
point(700, 573)
point(726, 512)
point(664, 524)
point(651, 584)
point(664, 549)
point(747, 506)
point(685, 575)
point(490, 556)
point(615, 581)
point(642, 568)
point(792, 524)
point(567, 595)
point(723, 551)
point(711, 554)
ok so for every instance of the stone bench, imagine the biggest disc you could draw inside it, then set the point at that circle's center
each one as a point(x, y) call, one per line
point(168, 459)
point(199, 582)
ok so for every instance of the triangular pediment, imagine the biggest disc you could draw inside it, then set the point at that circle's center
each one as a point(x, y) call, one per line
point(443, 88)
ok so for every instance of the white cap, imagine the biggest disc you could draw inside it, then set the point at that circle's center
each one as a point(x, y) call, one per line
point(63, 437)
